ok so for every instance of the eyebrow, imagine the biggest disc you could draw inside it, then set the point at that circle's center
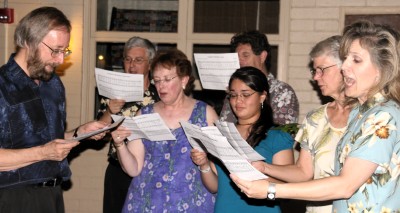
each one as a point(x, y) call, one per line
point(243, 90)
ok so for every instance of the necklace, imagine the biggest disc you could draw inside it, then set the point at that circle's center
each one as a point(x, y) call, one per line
point(237, 123)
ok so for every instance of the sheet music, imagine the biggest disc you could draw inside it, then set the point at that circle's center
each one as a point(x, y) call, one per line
point(116, 85)
point(243, 169)
point(229, 130)
point(218, 145)
point(148, 126)
point(193, 133)
point(216, 69)
point(90, 134)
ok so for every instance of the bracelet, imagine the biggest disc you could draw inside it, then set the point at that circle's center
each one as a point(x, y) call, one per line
point(75, 132)
point(119, 144)
point(204, 170)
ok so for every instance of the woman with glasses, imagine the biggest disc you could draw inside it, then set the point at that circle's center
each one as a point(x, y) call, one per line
point(322, 128)
point(165, 178)
point(248, 96)
point(367, 159)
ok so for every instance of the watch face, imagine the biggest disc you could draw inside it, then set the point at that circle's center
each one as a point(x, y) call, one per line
point(271, 196)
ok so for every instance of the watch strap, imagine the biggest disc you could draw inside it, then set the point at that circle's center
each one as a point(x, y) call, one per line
point(271, 191)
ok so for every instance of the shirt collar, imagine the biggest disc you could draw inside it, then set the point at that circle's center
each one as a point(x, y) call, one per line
point(377, 99)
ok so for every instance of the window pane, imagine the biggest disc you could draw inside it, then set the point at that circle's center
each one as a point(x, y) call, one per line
point(137, 15)
point(223, 16)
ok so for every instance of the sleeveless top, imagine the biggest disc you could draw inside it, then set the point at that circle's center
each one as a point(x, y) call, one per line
point(170, 181)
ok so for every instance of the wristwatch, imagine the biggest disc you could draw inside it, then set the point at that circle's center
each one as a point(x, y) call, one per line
point(271, 191)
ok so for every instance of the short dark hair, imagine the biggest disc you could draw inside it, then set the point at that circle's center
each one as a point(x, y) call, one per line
point(258, 42)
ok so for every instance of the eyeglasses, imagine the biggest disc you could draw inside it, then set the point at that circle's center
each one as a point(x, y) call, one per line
point(166, 80)
point(56, 52)
point(137, 61)
point(319, 71)
point(243, 96)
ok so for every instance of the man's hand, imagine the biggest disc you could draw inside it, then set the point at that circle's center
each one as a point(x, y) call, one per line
point(57, 149)
point(92, 126)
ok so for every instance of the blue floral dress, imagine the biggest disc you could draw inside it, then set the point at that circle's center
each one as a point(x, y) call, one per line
point(373, 135)
point(170, 181)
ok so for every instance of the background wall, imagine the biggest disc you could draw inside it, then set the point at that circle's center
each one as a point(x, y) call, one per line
point(310, 22)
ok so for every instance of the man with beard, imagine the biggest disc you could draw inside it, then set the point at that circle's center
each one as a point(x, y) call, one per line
point(33, 148)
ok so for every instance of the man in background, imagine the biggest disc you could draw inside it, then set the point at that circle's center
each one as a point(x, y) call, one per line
point(254, 50)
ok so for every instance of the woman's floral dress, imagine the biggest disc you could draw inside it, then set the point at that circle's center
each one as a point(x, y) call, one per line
point(170, 181)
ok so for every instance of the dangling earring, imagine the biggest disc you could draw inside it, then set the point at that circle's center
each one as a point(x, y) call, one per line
point(377, 78)
point(262, 105)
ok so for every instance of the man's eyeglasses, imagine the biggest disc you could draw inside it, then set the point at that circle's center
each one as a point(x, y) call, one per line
point(243, 96)
point(166, 80)
point(56, 52)
point(319, 71)
point(138, 61)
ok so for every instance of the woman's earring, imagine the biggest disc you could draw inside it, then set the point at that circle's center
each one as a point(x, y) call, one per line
point(377, 78)
point(262, 105)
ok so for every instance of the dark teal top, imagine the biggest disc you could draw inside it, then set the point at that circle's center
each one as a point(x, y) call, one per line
point(229, 197)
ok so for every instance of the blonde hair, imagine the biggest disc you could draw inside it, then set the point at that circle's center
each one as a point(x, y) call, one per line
point(382, 43)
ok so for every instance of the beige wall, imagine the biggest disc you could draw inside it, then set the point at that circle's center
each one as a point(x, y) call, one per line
point(314, 20)
point(310, 21)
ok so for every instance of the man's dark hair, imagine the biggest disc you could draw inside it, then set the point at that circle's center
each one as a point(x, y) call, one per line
point(258, 42)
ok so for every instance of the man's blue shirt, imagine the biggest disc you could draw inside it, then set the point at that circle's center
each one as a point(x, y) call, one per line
point(31, 114)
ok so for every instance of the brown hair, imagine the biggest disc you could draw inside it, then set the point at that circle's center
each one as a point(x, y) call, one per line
point(175, 58)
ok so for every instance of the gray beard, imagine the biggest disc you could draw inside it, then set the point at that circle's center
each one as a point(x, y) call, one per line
point(36, 68)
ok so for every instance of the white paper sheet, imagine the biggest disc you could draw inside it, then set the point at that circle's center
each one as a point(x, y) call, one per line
point(216, 144)
point(116, 85)
point(148, 126)
point(235, 139)
point(90, 134)
point(216, 69)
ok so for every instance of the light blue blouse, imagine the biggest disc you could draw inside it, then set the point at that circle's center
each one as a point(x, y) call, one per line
point(373, 134)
